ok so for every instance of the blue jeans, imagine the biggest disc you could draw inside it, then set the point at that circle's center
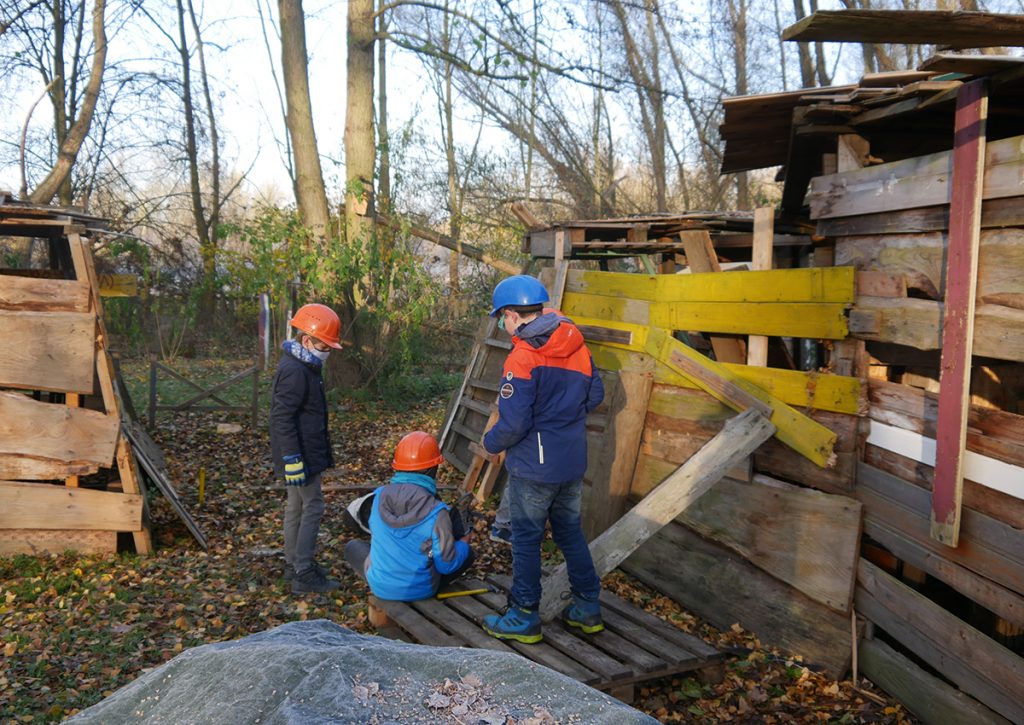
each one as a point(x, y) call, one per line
point(533, 504)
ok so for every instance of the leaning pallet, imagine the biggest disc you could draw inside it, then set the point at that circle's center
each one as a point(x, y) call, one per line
point(68, 478)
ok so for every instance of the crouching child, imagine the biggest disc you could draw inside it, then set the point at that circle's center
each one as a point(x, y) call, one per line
point(417, 543)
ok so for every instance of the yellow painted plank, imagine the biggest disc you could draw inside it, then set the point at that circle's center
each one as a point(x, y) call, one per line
point(804, 435)
point(816, 285)
point(118, 285)
point(605, 307)
point(836, 393)
point(781, 319)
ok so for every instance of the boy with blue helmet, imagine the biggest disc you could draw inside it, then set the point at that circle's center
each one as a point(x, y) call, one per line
point(549, 385)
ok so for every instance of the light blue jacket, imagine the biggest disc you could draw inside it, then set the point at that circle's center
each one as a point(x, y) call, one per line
point(411, 541)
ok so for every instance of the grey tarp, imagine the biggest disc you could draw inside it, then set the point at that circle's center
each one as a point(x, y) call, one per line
point(320, 672)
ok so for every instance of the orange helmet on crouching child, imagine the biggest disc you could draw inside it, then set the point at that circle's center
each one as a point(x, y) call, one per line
point(417, 451)
point(321, 322)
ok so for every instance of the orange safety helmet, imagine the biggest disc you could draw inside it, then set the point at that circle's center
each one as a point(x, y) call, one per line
point(321, 322)
point(417, 451)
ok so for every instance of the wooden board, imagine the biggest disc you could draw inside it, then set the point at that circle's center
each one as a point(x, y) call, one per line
point(812, 389)
point(701, 257)
point(998, 330)
point(36, 541)
point(610, 481)
point(918, 182)
point(777, 459)
point(56, 431)
point(19, 467)
point(995, 213)
point(808, 539)
point(958, 312)
point(807, 437)
point(920, 259)
point(926, 27)
point(970, 64)
point(976, 664)
point(675, 494)
point(43, 295)
point(724, 588)
point(46, 506)
point(761, 260)
point(930, 698)
point(988, 547)
point(48, 351)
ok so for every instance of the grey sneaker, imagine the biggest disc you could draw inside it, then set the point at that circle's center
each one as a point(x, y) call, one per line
point(289, 571)
point(502, 536)
point(313, 580)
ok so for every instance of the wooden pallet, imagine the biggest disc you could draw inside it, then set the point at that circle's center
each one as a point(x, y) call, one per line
point(635, 646)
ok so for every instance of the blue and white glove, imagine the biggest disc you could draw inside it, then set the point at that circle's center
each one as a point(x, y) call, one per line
point(294, 471)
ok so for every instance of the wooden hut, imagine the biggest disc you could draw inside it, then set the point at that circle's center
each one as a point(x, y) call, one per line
point(879, 323)
point(68, 479)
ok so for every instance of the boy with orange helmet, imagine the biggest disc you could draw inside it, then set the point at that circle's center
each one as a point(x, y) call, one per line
point(417, 544)
point(300, 443)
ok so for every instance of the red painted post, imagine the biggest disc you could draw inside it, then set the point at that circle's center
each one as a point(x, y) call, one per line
point(958, 316)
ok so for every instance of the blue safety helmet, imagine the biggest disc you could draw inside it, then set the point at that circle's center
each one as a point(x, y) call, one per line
point(522, 290)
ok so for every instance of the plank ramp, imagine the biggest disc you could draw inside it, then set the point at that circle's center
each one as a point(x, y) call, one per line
point(634, 647)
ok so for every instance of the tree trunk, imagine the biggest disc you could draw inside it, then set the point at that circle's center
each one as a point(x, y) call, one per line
point(72, 142)
point(360, 150)
point(738, 20)
point(310, 194)
point(804, 50)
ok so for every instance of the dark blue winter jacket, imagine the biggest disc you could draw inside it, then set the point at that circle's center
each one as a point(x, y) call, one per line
point(298, 413)
point(548, 386)
point(411, 541)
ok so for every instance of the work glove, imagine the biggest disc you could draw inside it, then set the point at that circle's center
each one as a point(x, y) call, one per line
point(294, 471)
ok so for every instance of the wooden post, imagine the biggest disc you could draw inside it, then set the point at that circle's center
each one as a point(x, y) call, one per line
point(958, 316)
point(739, 438)
point(761, 259)
point(255, 391)
point(627, 411)
point(701, 257)
point(72, 400)
point(152, 393)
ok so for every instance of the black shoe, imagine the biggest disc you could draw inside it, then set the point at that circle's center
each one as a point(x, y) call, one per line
point(289, 571)
point(313, 580)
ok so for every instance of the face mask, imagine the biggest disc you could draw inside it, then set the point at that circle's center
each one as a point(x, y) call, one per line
point(501, 323)
point(321, 356)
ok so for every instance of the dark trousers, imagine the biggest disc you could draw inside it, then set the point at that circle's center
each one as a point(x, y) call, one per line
point(357, 552)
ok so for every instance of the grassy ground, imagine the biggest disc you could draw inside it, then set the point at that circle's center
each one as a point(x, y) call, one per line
point(75, 628)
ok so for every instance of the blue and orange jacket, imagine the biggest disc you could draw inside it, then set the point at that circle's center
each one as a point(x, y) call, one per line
point(548, 386)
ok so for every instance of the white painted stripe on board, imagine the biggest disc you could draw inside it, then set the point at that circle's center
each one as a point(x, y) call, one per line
point(989, 472)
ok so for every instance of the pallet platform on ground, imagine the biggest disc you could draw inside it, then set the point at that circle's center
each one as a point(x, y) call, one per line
point(634, 647)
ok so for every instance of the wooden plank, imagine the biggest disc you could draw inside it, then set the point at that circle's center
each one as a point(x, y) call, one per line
point(999, 600)
point(955, 649)
point(984, 470)
point(626, 628)
point(48, 351)
point(998, 331)
point(995, 213)
point(131, 482)
point(927, 27)
point(904, 507)
point(421, 628)
point(669, 633)
point(917, 182)
point(811, 389)
point(958, 316)
point(118, 285)
point(701, 257)
point(808, 539)
point(738, 439)
point(928, 697)
point(990, 432)
point(823, 285)
point(459, 626)
point(881, 284)
point(610, 483)
point(20, 467)
point(761, 260)
point(43, 295)
point(45, 506)
point(718, 386)
point(47, 430)
point(725, 589)
point(38, 541)
point(799, 432)
point(992, 503)
point(970, 64)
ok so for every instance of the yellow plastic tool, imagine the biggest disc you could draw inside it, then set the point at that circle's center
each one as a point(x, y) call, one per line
point(466, 593)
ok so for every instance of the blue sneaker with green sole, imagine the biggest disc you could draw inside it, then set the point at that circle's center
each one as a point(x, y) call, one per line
point(585, 614)
point(522, 625)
